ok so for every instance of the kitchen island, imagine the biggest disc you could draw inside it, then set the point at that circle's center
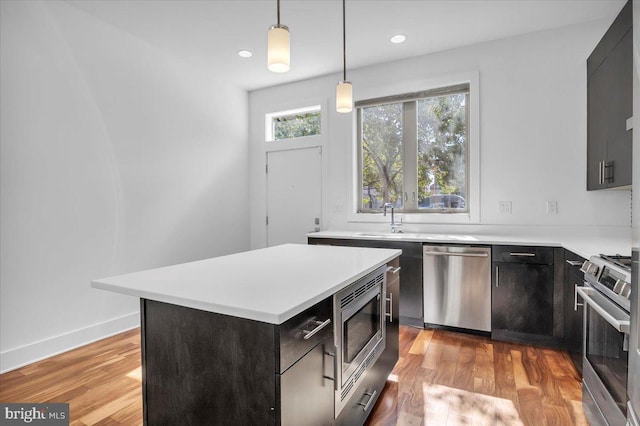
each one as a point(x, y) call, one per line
point(247, 338)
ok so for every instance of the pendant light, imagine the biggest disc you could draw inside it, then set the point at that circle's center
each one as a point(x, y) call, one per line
point(344, 90)
point(278, 54)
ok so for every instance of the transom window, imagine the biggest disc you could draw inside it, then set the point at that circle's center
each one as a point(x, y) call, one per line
point(293, 124)
point(413, 151)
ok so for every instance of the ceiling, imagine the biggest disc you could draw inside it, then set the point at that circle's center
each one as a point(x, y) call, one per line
point(208, 33)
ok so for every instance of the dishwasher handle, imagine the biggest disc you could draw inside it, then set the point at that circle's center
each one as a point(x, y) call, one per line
point(443, 253)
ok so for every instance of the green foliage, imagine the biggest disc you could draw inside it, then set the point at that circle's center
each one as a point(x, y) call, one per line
point(441, 155)
point(382, 155)
point(441, 146)
point(296, 125)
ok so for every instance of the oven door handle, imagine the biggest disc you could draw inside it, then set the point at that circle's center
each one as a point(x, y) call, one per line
point(609, 313)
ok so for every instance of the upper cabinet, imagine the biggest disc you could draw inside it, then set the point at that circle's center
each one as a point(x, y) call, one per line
point(609, 106)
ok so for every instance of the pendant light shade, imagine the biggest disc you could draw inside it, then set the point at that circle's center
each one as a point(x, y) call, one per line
point(344, 90)
point(278, 52)
point(278, 49)
point(344, 97)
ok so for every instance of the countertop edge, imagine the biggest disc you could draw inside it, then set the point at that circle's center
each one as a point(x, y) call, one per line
point(236, 311)
point(574, 247)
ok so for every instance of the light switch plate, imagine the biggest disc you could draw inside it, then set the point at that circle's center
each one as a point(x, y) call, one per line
point(552, 207)
point(504, 207)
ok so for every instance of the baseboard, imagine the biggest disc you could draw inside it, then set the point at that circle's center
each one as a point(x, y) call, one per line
point(24, 355)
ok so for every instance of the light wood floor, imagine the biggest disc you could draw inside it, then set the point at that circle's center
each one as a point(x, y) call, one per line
point(442, 378)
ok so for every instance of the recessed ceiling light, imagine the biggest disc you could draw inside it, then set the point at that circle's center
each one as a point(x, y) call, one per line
point(398, 38)
point(245, 53)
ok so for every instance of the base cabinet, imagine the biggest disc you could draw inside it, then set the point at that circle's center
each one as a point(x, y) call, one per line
point(306, 395)
point(522, 295)
point(203, 368)
point(573, 310)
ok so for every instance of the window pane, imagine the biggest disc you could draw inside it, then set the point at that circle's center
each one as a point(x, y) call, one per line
point(296, 125)
point(381, 156)
point(442, 136)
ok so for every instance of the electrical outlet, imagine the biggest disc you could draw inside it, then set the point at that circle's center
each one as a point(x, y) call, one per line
point(504, 207)
point(552, 207)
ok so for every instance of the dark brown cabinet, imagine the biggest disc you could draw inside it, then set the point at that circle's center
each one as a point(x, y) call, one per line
point(206, 368)
point(522, 296)
point(390, 355)
point(573, 313)
point(411, 299)
point(609, 105)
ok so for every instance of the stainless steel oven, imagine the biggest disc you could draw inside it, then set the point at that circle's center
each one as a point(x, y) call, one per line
point(606, 340)
point(359, 310)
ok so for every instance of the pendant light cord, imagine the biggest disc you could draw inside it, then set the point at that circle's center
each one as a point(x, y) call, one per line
point(278, 7)
point(344, 42)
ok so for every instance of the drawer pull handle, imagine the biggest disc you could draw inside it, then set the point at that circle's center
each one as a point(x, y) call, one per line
point(309, 333)
point(371, 399)
point(522, 254)
point(393, 270)
point(574, 262)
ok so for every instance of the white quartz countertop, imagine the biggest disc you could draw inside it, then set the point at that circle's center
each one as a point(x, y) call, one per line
point(580, 244)
point(270, 285)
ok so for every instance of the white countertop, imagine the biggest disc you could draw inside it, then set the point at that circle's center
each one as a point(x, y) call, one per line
point(582, 245)
point(269, 285)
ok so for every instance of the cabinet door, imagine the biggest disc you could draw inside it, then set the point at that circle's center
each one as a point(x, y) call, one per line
point(522, 298)
point(573, 314)
point(307, 395)
point(619, 71)
point(389, 357)
point(597, 128)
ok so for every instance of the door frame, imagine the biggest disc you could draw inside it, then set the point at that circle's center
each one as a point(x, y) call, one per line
point(322, 174)
point(259, 214)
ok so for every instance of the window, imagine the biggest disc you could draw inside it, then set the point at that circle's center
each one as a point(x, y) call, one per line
point(413, 151)
point(293, 123)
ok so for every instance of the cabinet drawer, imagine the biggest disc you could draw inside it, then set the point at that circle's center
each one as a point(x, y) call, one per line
point(523, 254)
point(293, 344)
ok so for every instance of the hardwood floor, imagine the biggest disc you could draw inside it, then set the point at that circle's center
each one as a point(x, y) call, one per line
point(101, 382)
point(445, 378)
point(442, 378)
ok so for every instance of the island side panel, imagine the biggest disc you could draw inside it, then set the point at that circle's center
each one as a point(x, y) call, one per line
point(206, 368)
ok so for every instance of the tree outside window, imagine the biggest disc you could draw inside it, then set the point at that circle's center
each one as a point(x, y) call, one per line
point(414, 152)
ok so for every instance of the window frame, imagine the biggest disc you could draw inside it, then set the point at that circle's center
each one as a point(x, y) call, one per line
point(371, 93)
point(270, 126)
point(410, 146)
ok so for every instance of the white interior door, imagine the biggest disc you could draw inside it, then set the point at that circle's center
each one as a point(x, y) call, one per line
point(294, 194)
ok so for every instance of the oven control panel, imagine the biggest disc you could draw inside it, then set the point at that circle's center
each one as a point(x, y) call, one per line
point(615, 282)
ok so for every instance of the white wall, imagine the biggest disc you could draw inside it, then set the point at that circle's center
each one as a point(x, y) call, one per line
point(532, 132)
point(115, 157)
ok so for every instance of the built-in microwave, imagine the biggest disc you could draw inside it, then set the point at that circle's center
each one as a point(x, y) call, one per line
point(359, 312)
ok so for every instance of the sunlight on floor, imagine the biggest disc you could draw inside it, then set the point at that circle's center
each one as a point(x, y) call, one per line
point(460, 407)
point(135, 374)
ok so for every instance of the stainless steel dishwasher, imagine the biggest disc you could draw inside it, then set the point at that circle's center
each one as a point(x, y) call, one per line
point(457, 286)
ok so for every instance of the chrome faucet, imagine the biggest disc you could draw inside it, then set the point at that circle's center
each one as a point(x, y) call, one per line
point(395, 227)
